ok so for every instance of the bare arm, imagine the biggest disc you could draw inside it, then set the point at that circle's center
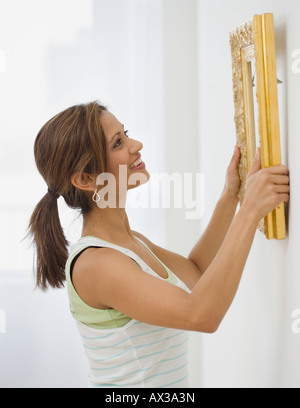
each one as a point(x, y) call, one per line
point(218, 286)
point(211, 240)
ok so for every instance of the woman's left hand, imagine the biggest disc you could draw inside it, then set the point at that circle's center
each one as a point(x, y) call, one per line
point(233, 182)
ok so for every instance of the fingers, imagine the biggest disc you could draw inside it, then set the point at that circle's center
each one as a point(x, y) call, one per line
point(281, 170)
point(282, 189)
point(284, 198)
point(237, 151)
point(256, 166)
point(277, 176)
point(278, 183)
point(235, 158)
point(281, 179)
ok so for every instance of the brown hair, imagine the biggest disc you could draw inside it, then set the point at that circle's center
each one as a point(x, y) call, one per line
point(71, 142)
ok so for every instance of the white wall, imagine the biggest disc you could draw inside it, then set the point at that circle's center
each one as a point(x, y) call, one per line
point(255, 346)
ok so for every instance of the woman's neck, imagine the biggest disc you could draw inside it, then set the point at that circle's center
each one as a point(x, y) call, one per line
point(110, 224)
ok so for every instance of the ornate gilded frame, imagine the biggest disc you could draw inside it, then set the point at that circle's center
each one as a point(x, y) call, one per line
point(254, 43)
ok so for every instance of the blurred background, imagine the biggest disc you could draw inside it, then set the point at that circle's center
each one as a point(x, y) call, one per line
point(163, 67)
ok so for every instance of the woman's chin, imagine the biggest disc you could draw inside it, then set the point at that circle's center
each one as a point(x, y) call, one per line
point(138, 178)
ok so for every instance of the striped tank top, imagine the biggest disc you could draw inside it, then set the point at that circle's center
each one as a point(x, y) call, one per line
point(123, 352)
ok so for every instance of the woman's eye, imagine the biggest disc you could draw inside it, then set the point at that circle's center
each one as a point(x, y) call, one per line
point(118, 143)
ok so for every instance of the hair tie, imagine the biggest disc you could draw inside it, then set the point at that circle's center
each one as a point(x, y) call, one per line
point(54, 195)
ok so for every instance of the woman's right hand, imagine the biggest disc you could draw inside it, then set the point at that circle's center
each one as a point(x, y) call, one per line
point(265, 188)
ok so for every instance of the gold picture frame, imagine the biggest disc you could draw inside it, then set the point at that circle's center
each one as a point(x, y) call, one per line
point(256, 112)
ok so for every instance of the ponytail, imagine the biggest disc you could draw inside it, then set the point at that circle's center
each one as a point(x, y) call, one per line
point(50, 243)
point(71, 142)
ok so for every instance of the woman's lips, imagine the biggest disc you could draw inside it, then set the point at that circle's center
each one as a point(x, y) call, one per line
point(139, 166)
point(136, 163)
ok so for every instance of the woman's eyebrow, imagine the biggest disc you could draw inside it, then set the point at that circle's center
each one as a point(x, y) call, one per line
point(117, 134)
point(112, 139)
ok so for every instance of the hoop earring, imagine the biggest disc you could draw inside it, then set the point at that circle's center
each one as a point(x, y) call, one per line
point(96, 197)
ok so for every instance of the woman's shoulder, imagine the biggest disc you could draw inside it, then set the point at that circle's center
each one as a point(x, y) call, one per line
point(96, 272)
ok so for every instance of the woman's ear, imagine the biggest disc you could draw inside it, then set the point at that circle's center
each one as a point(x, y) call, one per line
point(84, 181)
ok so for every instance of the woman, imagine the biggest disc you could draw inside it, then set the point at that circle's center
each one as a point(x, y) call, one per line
point(133, 301)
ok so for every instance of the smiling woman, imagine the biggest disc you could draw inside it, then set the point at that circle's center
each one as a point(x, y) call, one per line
point(123, 152)
point(133, 301)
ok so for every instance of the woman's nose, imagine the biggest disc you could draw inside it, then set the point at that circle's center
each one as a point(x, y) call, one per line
point(135, 146)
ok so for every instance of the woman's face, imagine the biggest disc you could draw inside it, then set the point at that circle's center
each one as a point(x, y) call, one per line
point(123, 151)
